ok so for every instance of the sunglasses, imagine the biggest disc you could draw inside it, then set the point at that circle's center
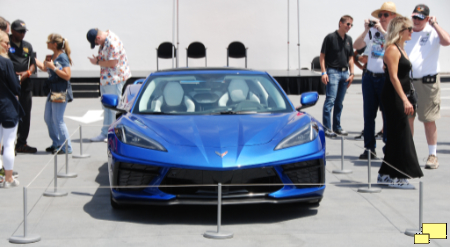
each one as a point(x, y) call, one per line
point(349, 25)
point(7, 43)
point(409, 29)
point(417, 18)
point(22, 31)
point(386, 15)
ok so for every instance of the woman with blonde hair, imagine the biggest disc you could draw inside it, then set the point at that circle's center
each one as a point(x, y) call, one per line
point(400, 151)
point(58, 67)
point(10, 112)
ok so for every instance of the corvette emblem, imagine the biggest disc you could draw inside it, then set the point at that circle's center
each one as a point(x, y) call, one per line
point(221, 154)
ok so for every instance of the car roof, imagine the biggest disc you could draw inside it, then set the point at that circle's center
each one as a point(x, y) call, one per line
point(207, 70)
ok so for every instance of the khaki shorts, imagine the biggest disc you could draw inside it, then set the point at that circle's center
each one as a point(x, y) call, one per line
point(429, 100)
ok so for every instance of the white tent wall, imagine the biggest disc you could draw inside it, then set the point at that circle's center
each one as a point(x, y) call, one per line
point(262, 25)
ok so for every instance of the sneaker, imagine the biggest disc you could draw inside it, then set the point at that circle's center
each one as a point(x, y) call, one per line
point(341, 132)
point(384, 179)
point(26, 149)
point(401, 183)
point(14, 183)
point(379, 136)
point(361, 136)
point(365, 156)
point(432, 162)
point(50, 149)
point(329, 133)
point(100, 138)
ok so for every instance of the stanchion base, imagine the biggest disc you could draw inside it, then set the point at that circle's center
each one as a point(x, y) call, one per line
point(30, 238)
point(342, 171)
point(371, 190)
point(67, 175)
point(412, 232)
point(218, 235)
point(55, 194)
point(80, 156)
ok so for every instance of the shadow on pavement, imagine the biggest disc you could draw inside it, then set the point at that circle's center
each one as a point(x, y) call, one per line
point(373, 163)
point(99, 208)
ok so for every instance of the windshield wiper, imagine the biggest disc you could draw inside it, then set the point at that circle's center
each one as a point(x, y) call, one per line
point(227, 112)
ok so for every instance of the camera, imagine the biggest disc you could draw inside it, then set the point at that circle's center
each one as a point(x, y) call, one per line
point(372, 23)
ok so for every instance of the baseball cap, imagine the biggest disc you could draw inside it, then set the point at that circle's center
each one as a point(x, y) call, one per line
point(91, 36)
point(19, 25)
point(422, 11)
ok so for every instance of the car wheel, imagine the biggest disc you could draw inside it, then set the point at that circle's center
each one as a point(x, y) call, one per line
point(114, 204)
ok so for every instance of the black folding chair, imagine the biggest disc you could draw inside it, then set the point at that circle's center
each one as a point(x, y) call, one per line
point(164, 50)
point(236, 50)
point(196, 50)
point(315, 64)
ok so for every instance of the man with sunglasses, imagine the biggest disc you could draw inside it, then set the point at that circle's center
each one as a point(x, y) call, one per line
point(373, 78)
point(423, 52)
point(336, 59)
point(21, 55)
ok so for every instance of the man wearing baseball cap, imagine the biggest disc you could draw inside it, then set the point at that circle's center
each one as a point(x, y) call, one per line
point(22, 57)
point(423, 52)
point(114, 70)
point(373, 78)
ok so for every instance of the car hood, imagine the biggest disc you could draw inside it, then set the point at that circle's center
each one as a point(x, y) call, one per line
point(217, 130)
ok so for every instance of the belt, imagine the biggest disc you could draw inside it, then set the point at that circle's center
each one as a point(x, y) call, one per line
point(368, 72)
point(339, 68)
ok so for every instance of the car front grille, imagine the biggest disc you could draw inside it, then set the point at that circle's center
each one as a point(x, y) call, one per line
point(241, 179)
point(306, 172)
point(135, 175)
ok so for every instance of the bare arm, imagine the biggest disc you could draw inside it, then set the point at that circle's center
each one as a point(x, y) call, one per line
point(64, 73)
point(40, 65)
point(110, 63)
point(351, 66)
point(323, 68)
point(359, 42)
point(392, 58)
point(443, 35)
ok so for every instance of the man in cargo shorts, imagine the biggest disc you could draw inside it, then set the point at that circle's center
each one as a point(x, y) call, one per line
point(423, 52)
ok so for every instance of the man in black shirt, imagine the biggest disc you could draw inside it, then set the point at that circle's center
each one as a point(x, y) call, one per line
point(21, 54)
point(336, 59)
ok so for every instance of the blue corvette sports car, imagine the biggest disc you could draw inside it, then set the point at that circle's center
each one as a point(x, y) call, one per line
point(180, 131)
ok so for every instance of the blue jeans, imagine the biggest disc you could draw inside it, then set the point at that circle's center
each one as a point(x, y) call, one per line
point(372, 88)
point(110, 115)
point(336, 89)
point(57, 129)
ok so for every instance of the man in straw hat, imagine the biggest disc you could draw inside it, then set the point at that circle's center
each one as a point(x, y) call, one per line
point(423, 52)
point(373, 78)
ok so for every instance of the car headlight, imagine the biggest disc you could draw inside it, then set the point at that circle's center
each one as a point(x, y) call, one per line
point(132, 137)
point(303, 135)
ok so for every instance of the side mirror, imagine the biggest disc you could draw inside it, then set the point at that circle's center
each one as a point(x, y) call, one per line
point(111, 101)
point(308, 99)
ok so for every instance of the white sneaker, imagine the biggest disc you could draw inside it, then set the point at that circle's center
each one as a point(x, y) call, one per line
point(401, 183)
point(14, 183)
point(384, 179)
point(99, 138)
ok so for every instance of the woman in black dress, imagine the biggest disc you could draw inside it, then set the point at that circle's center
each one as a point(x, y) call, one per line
point(400, 152)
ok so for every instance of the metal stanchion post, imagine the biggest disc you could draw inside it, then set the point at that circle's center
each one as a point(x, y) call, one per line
point(219, 234)
point(370, 189)
point(412, 232)
point(26, 238)
point(342, 171)
point(67, 174)
point(55, 192)
point(81, 148)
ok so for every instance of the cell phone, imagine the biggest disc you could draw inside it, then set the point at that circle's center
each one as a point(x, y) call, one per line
point(48, 58)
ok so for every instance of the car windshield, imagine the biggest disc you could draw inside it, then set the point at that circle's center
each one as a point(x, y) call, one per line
point(211, 93)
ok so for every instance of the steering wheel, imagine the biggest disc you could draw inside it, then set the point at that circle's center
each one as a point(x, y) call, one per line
point(247, 105)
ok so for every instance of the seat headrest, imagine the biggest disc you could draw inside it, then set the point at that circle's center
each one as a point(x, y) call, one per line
point(238, 90)
point(173, 93)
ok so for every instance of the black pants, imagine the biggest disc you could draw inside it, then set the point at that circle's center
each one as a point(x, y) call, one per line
point(24, 124)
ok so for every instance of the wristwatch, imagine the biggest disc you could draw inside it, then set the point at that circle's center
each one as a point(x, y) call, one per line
point(97, 60)
point(324, 73)
point(351, 74)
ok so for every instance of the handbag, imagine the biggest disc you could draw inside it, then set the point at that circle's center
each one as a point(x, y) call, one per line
point(412, 94)
point(58, 97)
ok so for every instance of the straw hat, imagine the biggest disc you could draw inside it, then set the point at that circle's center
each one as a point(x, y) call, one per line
point(387, 6)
